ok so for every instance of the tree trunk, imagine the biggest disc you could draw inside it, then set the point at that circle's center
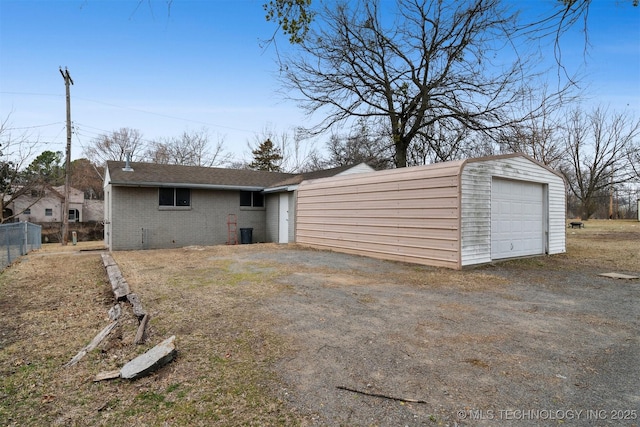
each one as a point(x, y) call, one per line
point(401, 145)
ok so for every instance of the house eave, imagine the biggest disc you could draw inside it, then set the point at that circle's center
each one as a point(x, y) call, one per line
point(188, 185)
point(281, 189)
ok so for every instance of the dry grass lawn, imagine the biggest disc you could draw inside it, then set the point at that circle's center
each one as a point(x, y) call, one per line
point(54, 301)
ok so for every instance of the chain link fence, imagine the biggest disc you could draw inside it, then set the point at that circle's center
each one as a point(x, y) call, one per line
point(17, 239)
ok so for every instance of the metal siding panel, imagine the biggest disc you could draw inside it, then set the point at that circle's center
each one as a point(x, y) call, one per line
point(408, 214)
point(475, 201)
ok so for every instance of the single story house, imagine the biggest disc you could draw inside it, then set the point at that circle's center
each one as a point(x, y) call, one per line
point(153, 206)
point(47, 205)
point(451, 214)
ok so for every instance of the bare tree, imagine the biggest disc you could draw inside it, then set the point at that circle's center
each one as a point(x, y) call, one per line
point(87, 177)
point(297, 150)
point(431, 64)
point(538, 135)
point(363, 144)
point(440, 143)
point(17, 150)
point(116, 146)
point(189, 149)
point(295, 17)
point(598, 147)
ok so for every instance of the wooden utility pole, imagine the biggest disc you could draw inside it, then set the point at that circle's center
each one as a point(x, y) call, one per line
point(67, 175)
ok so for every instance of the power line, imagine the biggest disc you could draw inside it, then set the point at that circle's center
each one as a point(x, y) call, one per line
point(34, 126)
point(167, 116)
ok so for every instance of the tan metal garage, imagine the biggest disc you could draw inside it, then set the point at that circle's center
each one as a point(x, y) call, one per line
point(451, 214)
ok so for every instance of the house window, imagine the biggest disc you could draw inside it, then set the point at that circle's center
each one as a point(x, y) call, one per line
point(174, 197)
point(74, 215)
point(254, 199)
point(27, 211)
point(48, 212)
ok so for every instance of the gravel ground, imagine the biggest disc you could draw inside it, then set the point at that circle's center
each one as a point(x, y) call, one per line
point(388, 344)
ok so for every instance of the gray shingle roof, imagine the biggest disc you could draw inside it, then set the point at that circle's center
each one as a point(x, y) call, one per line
point(156, 175)
point(326, 173)
point(152, 174)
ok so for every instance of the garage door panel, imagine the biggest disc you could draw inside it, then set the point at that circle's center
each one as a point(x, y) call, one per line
point(517, 219)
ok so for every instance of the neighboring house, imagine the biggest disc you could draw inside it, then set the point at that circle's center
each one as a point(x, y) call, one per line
point(150, 206)
point(451, 214)
point(47, 205)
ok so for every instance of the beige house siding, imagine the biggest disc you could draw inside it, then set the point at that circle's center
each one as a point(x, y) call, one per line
point(408, 214)
point(138, 223)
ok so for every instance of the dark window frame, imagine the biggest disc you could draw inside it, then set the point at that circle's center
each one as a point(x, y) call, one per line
point(174, 198)
point(251, 199)
point(74, 215)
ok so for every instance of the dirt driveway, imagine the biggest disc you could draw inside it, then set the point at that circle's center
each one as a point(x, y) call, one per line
point(282, 335)
point(512, 343)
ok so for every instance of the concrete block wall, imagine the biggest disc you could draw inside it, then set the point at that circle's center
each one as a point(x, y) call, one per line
point(139, 223)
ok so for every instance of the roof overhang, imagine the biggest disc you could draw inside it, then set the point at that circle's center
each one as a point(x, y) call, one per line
point(281, 189)
point(186, 185)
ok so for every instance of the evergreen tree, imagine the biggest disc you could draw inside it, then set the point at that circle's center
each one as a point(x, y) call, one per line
point(266, 157)
point(46, 168)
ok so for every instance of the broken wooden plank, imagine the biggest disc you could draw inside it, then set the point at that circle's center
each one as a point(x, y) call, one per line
point(93, 344)
point(141, 334)
point(119, 285)
point(115, 312)
point(134, 300)
point(106, 375)
point(107, 259)
point(619, 276)
point(150, 361)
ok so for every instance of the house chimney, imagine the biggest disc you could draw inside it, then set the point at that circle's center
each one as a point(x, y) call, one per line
point(127, 166)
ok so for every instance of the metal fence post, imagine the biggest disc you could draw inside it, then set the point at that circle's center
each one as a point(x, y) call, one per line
point(24, 242)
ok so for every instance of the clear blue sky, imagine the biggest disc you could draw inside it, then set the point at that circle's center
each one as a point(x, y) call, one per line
point(200, 64)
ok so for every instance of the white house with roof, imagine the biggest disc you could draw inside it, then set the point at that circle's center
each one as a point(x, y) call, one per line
point(47, 205)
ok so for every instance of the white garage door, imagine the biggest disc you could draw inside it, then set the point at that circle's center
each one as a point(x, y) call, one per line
point(517, 219)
